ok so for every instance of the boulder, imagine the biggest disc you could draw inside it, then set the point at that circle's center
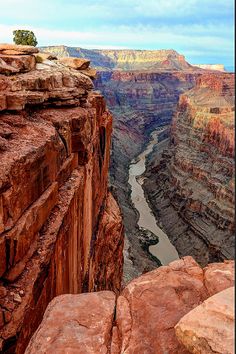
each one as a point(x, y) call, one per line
point(151, 305)
point(209, 328)
point(46, 56)
point(90, 72)
point(79, 324)
point(75, 63)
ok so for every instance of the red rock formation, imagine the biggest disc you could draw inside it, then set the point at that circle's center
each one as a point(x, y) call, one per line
point(146, 313)
point(209, 328)
point(81, 331)
point(194, 178)
point(54, 202)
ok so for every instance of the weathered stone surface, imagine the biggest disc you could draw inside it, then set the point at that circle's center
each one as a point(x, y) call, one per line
point(209, 328)
point(107, 260)
point(16, 63)
point(219, 276)
point(147, 311)
point(75, 63)
point(76, 324)
point(49, 86)
point(18, 49)
point(151, 305)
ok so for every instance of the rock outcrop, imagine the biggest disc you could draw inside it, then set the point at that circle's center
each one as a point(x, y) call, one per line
point(56, 213)
point(209, 328)
point(15, 59)
point(193, 178)
point(141, 320)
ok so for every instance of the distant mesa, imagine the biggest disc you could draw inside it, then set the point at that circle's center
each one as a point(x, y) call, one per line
point(218, 67)
point(127, 60)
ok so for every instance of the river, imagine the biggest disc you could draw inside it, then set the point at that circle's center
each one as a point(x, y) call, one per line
point(163, 250)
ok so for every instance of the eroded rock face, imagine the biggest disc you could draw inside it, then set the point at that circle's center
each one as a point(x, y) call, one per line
point(193, 179)
point(147, 312)
point(54, 200)
point(209, 328)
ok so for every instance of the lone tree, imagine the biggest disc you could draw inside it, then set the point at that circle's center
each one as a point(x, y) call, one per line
point(24, 37)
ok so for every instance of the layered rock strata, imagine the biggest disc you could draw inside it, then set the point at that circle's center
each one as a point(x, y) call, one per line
point(125, 59)
point(56, 213)
point(15, 59)
point(141, 320)
point(191, 184)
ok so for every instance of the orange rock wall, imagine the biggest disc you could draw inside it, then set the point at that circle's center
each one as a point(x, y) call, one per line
point(55, 209)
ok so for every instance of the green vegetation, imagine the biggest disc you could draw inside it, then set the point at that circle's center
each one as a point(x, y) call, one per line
point(24, 37)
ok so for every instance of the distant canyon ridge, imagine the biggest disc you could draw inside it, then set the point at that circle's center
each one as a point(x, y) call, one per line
point(124, 59)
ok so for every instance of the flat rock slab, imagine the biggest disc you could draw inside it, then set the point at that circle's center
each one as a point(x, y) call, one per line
point(209, 328)
point(75, 63)
point(75, 324)
point(15, 49)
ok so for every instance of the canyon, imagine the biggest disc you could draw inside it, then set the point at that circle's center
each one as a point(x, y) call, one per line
point(62, 231)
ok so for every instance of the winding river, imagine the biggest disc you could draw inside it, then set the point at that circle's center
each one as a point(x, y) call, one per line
point(163, 250)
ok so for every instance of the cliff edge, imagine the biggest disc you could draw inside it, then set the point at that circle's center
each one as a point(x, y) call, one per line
point(56, 214)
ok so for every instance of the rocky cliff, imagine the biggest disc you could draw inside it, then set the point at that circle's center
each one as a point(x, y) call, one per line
point(180, 308)
point(191, 184)
point(60, 228)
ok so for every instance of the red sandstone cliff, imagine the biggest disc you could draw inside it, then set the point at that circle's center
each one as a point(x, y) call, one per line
point(60, 229)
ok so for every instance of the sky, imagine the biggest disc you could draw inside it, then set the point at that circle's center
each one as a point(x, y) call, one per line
point(202, 30)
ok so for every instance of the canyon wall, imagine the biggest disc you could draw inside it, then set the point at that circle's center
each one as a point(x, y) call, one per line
point(60, 228)
point(140, 102)
point(191, 184)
